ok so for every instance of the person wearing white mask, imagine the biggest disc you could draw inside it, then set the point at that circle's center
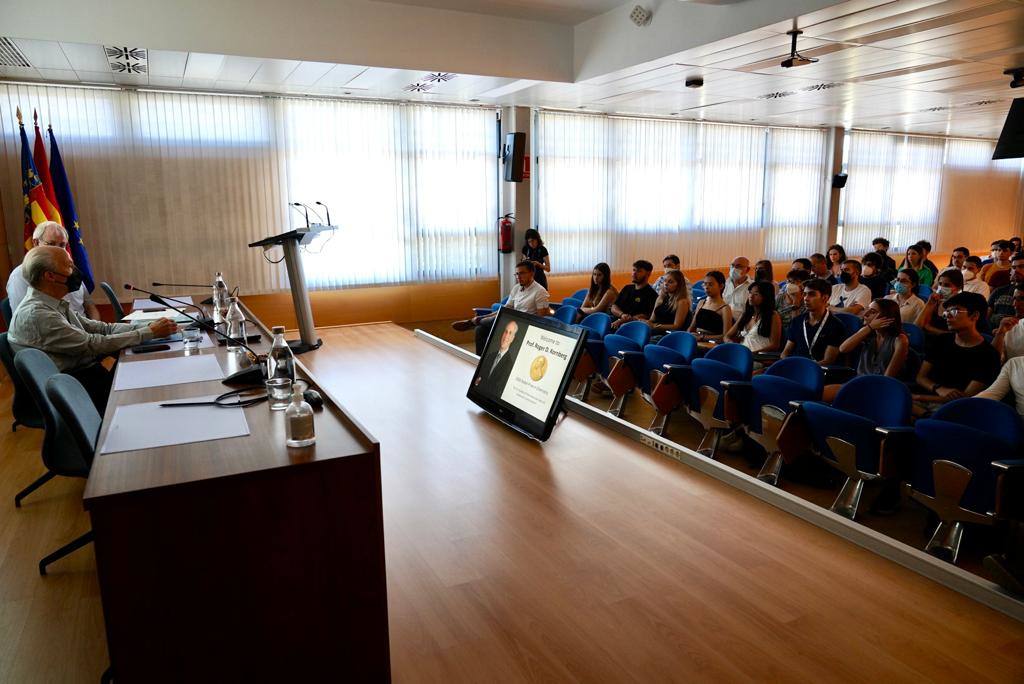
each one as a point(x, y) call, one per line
point(1009, 337)
point(871, 274)
point(904, 294)
point(790, 300)
point(972, 283)
point(736, 286)
point(932, 319)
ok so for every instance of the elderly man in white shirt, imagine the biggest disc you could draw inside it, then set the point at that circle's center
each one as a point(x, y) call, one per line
point(737, 286)
point(52, 234)
point(528, 295)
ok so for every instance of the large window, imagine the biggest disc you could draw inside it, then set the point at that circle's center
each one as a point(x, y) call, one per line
point(617, 189)
point(412, 187)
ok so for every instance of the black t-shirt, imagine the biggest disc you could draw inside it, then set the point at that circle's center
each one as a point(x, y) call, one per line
point(636, 302)
point(802, 334)
point(956, 367)
point(530, 254)
point(878, 285)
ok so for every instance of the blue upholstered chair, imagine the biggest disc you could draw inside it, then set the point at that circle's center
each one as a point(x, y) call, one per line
point(953, 456)
point(479, 311)
point(575, 299)
point(567, 314)
point(847, 434)
point(631, 336)
point(850, 322)
point(763, 404)
point(597, 325)
point(915, 336)
point(114, 303)
point(643, 368)
point(23, 407)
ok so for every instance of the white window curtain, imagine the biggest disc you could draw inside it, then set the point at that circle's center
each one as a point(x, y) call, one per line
point(894, 188)
point(174, 186)
point(618, 189)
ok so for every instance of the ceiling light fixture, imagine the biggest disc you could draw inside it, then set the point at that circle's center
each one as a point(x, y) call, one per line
point(641, 16)
point(795, 58)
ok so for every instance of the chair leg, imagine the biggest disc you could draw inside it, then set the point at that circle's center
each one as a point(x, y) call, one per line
point(659, 423)
point(951, 480)
point(14, 426)
point(70, 547)
point(618, 404)
point(945, 541)
point(715, 435)
point(848, 500)
point(772, 420)
point(32, 487)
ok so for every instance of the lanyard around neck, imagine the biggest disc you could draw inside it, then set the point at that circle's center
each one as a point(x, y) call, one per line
point(821, 326)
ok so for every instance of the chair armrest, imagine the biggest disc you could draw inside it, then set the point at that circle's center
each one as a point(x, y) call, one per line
point(1009, 489)
point(736, 402)
point(767, 357)
point(895, 458)
point(630, 354)
point(678, 373)
point(837, 375)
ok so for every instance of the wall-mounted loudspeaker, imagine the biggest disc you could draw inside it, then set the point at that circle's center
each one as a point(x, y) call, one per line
point(839, 181)
point(512, 156)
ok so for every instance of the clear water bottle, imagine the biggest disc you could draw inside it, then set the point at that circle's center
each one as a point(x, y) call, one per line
point(298, 419)
point(220, 294)
point(280, 361)
point(236, 325)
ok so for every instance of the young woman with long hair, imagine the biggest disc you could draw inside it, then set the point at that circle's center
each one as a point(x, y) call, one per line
point(713, 315)
point(601, 293)
point(760, 326)
point(883, 345)
point(672, 308)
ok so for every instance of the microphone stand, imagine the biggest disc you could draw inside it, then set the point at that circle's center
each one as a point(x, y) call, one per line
point(130, 287)
point(208, 300)
point(247, 376)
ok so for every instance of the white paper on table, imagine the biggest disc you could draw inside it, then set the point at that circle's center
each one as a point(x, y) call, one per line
point(147, 426)
point(204, 343)
point(150, 305)
point(177, 370)
point(138, 316)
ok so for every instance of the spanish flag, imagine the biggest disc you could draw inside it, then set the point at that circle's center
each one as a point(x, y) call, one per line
point(43, 168)
point(37, 206)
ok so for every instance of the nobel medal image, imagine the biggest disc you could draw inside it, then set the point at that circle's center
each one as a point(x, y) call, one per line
point(538, 368)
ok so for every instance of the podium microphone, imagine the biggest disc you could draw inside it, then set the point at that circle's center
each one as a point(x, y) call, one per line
point(247, 376)
point(297, 205)
point(129, 286)
point(327, 210)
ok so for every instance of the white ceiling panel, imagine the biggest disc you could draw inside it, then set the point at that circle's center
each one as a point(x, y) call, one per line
point(275, 70)
point(95, 76)
point(308, 73)
point(132, 79)
point(19, 73)
point(203, 66)
point(43, 54)
point(165, 81)
point(84, 57)
point(340, 76)
point(168, 63)
point(59, 74)
point(239, 69)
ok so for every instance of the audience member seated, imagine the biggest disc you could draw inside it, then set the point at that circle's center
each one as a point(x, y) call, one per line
point(905, 294)
point(926, 249)
point(819, 268)
point(915, 260)
point(765, 272)
point(52, 234)
point(957, 260)
point(760, 327)
point(872, 276)
point(1009, 337)
point(735, 292)
point(849, 296)
point(601, 294)
point(801, 264)
point(815, 334)
point(672, 308)
point(932, 319)
point(669, 263)
point(880, 346)
point(790, 301)
point(527, 295)
point(972, 283)
point(1001, 251)
point(881, 246)
point(957, 365)
point(836, 259)
point(45, 321)
point(1000, 302)
point(713, 315)
point(536, 253)
point(1010, 379)
point(636, 300)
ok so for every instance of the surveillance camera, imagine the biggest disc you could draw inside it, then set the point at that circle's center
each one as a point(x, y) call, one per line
point(695, 82)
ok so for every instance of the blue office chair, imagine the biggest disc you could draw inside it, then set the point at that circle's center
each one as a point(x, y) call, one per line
point(481, 311)
point(847, 433)
point(643, 368)
point(575, 299)
point(59, 452)
point(953, 456)
point(6, 311)
point(631, 336)
point(915, 336)
point(597, 325)
point(924, 292)
point(700, 385)
point(850, 322)
point(567, 314)
point(81, 419)
point(114, 304)
point(763, 404)
point(23, 407)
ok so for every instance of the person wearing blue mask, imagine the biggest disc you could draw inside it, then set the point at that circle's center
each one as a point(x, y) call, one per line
point(904, 289)
point(736, 292)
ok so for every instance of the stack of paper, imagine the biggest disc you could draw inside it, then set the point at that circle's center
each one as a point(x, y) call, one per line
point(147, 426)
point(152, 315)
point(177, 370)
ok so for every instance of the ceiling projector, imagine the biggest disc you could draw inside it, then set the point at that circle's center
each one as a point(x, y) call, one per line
point(795, 59)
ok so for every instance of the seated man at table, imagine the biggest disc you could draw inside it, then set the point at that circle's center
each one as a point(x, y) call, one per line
point(53, 234)
point(528, 295)
point(45, 321)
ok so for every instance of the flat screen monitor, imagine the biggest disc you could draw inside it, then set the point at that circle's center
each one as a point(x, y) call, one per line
point(525, 370)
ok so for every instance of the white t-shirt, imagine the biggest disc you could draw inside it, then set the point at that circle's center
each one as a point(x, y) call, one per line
point(1010, 379)
point(17, 288)
point(531, 299)
point(910, 309)
point(1013, 341)
point(977, 286)
point(843, 298)
point(736, 296)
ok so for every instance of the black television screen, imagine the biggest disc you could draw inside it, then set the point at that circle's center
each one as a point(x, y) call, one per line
point(1011, 140)
point(525, 370)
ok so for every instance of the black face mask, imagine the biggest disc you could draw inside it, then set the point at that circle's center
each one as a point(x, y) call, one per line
point(845, 278)
point(74, 281)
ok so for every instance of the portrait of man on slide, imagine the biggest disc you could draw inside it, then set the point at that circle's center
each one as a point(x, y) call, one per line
point(497, 363)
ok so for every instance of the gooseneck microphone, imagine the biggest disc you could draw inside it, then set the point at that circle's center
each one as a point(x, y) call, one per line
point(177, 285)
point(129, 286)
point(327, 210)
point(252, 375)
point(297, 205)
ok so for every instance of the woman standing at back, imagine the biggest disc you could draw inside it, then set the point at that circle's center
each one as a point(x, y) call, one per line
point(535, 251)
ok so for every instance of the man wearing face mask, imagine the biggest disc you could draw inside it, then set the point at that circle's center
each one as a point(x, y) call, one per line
point(736, 286)
point(45, 321)
point(850, 296)
point(972, 283)
point(790, 300)
point(1000, 302)
point(957, 260)
point(888, 269)
point(871, 275)
point(53, 234)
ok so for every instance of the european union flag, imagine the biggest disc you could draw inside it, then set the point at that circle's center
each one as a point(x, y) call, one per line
point(62, 189)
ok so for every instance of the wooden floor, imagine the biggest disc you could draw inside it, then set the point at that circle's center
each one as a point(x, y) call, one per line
point(588, 558)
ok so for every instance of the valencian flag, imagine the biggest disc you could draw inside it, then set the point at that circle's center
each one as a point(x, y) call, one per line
point(37, 206)
point(62, 189)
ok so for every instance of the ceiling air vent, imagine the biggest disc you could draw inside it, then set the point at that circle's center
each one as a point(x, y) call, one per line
point(981, 103)
point(821, 86)
point(776, 96)
point(11, 55)
point(936, 109)
point(417, 87)
point(438, 77)
point(126, 60)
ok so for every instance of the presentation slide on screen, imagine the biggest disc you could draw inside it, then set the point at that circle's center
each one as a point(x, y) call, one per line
point(542, 362)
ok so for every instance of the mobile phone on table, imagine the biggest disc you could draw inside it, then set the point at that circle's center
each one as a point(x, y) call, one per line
point(149, 348)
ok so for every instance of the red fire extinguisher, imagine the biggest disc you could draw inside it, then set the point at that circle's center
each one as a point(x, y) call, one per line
point(505, 225)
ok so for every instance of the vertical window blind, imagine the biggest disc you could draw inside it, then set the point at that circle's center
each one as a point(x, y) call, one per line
point(412, 187)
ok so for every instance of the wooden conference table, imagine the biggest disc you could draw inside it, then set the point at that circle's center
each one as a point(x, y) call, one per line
point(241, 559)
